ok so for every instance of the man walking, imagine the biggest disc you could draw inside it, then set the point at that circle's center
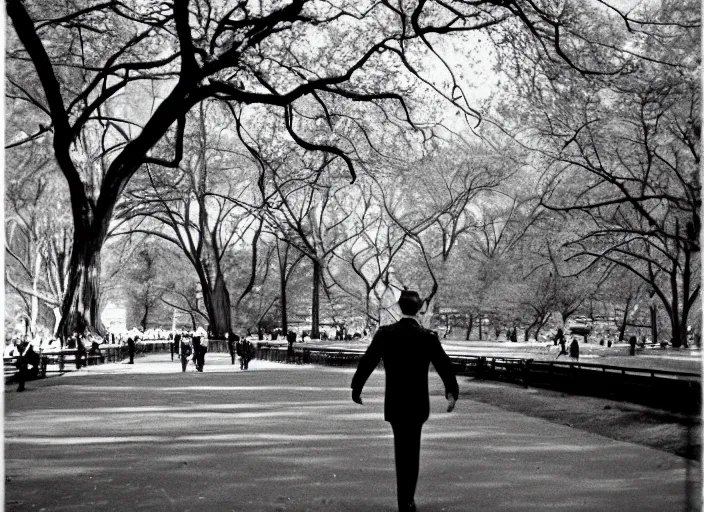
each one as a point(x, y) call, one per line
point(131, 349)
point(175, 345)
point(195, 341)
point(203, 349)
point(407, 350)
point(27, 356)
point(632, 341)
point(246, 357)
point(232, 340)
point(185, 353)
point(574, 349)
point(563, 350)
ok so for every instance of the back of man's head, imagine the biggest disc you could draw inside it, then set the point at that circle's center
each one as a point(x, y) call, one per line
point(410, 302)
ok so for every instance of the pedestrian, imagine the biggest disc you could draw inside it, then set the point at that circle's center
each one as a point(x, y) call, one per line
point(81, 353)
point(247, 349)
point(559, 336)
point(563, 350)
point(203, 349)
point(574, 349)
point(632, 341)
point(130, 348)
point(95, 348)
point(186, 352)
point(26, 357)
point(175, 345)
point(407, 350)
point(232, 340)
point(514, 336)
point(195, 340)
point(239, 348)
point(291, 339)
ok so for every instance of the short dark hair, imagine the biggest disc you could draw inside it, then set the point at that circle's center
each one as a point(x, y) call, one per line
point(410, 302)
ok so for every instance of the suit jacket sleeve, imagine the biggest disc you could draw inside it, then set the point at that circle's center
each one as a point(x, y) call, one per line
point(443, 365)
point(367, 363)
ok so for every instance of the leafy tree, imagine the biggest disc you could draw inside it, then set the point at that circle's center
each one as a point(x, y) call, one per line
point(434, 202)
point(38, 232)
point(195, 208)
point(144, 290)
point(624, 159)
point(94, 64)
point(492, 260)
point(307, 209)
point(366, 261)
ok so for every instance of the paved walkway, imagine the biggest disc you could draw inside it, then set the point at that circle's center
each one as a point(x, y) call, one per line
point(286, 438)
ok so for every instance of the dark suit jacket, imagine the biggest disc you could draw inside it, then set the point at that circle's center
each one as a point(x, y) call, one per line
point(407, 350)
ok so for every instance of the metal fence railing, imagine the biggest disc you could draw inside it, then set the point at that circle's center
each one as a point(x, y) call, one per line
point(663, 388)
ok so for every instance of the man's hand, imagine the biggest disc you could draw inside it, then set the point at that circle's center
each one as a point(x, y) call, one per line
point(357, 398)
point(451, 403)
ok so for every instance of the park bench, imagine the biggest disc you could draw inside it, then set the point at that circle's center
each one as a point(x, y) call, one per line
point(11, 370)
point(506, 368)
point(468, 365)
point(9, 367)
point(61, 357)
point(512, 369)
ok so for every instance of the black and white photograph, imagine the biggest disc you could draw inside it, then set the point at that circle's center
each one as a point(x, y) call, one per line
point(352, 255)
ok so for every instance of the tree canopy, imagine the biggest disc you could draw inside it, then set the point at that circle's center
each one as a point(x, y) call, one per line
point(358, 142)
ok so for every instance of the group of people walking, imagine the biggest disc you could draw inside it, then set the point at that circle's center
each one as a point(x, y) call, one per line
point(192, 347)
point(562, 341)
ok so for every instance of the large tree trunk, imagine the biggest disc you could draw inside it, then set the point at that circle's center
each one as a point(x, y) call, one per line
point(217, 305)
point(622, 329)
point(80, 307)
point(145, 317)
point(541, 323)
point(676, 331)
point(315, 309)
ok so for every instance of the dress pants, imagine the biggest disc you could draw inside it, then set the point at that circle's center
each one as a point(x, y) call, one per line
point(200, 358)
point(407, 454)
